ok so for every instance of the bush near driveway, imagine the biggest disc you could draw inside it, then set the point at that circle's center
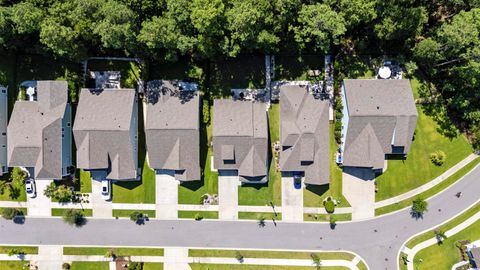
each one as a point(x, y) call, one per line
point(74, 217)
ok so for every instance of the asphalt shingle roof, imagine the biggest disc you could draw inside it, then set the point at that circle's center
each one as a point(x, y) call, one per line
point(105, 132)
point(35, 131)
point(381, 112)
point(304, 134)
point(172, 136)
point(240, 130)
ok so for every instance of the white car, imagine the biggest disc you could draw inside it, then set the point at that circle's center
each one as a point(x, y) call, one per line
point(30, 188)
point(106, 190)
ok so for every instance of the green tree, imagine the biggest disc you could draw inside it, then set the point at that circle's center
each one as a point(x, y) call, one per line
point(136, 216)
point(207, 18)
point(73, 217)
point(419, 207)
point(319, 26)
point(357, 11)
point(400, 22)
point(26, 17)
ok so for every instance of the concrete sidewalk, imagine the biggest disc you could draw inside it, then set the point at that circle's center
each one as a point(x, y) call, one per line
point(428, 185)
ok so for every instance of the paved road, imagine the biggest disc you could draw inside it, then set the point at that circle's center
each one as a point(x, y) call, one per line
point(378, 248)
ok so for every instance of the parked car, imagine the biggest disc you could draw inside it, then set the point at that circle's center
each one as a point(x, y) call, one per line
point(106, 190)
point(297, 181)
point(30, 188)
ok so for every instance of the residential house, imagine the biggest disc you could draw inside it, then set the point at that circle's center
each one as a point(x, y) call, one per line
point(304, 134)
point(3, 129)
point(473, 251)
point(379, 119)
point(105, 132)
point(40, 133)
point(240, 139)
point(172, 132)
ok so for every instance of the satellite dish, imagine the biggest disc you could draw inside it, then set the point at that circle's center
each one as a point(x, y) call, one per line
point(384, 72)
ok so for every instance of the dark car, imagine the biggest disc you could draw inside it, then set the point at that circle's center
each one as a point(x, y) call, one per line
point(297, 181)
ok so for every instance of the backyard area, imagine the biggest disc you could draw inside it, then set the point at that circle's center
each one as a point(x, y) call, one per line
point(271, 191)
point(295, 68)
point(313, 196)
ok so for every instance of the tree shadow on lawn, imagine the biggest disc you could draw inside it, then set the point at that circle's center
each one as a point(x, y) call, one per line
point(129, 184)
point(290, 67)
point(318, 189)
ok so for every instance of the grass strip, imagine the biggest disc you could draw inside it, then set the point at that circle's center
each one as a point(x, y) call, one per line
point(269, 254)
point(259, 215)
point(127, 212)
point(200, 214)
point(325, 217)
point(118, 251)
point(59, 212)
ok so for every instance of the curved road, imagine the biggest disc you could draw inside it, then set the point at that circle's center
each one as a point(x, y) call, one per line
point(377, 240)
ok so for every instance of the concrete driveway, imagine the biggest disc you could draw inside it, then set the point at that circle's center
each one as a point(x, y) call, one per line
point(292, 199)
point(166, 194)
point(228, 182)
point(359, 189)
point(101, 208)
point(40, 206)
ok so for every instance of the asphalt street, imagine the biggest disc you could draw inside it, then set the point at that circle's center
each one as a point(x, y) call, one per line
point(377, 240)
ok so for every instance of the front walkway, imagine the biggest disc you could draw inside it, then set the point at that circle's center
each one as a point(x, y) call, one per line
point(40, 206)
point(412, 252)
point(166, 195)
point(292, 200)
point(228, 182)
point(101, 208)
point(359, 190)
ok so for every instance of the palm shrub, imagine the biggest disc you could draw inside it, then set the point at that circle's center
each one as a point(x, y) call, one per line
point(239, 257)
point(65, 266)
point(136, 216)
point(73, 217)
point(9, 213)
point(333, 221)
point(419, 207)
point(316, 260)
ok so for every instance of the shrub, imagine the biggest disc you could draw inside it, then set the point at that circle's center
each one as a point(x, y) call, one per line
point(206, 112)
point(438, 158)
point(135, 266)
point(61, 193)
point(411, 67)
point(65, 266)
point(329, 205)
point(136, 216)
point(73, 217)
point(316, 259)
point(239, 256)
point(198, 217)
point(9, 213)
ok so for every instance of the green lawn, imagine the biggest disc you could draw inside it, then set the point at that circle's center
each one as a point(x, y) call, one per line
point(313, 196)
point(257, 216)
point(325, 217)
point(118, 251)
point(445, 255)
point(14, 265)
point(85, 182)
point(263, 194)
point(20, 186)
point(152, 266)
point(269, 254)
point(126, 213)
point(192, 192)
point(26, 249)
point(142, 191)
point(203, 214)
point(58, 212)
point(445, 227)
point(429, 193)
point(196, 266)
point(362, 266)
point(404, 175)
point(89, 266)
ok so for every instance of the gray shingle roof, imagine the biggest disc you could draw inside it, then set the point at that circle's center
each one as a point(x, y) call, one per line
point(304, 134)
point(240, 130)
point(172, 136)
point(475, 252)
point(35, 131)
point(381, 112)
point(105, 132)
